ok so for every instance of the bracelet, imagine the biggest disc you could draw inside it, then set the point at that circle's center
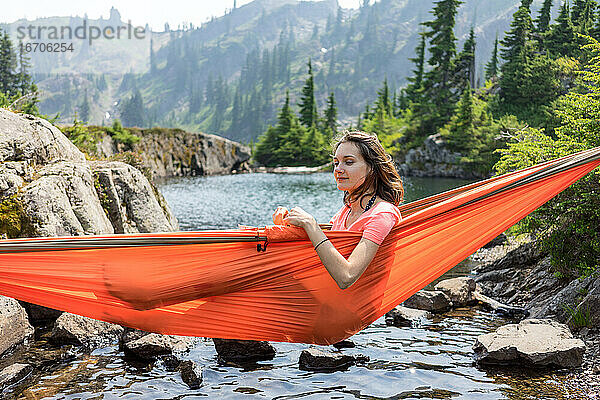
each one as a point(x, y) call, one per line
point(321, 242)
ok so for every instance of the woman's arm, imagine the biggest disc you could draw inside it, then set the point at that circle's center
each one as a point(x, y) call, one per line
point(344, 272)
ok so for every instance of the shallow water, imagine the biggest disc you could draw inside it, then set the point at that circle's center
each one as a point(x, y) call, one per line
point(433, 361)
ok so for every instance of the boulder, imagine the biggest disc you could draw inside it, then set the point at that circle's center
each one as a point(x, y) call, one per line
point(14, 374)
point(404, 316)
point(27, 138)
point(539, 343)
point(12, 176)
point(153, 345)
point(64, 202)
point(325, 361)
point(130, 200)
point(434, 301)
point(243, 351)
point(459, 290)
point(14, 326)
point(83, 331)
point(40, 315)
point(191, 374)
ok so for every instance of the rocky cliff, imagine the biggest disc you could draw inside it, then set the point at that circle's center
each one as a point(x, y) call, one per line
point(174, 152)
point(433, 159)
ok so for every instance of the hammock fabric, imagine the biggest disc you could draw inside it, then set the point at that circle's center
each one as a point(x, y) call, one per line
point(224, 284)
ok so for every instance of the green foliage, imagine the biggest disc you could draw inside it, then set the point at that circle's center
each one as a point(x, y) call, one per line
point(81, 137)
point(568, 224)
point(122, 135)
point(308, 104)
point(579, 317)
point(12, 217)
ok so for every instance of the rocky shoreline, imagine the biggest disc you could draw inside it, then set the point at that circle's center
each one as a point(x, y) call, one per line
point(52, 190)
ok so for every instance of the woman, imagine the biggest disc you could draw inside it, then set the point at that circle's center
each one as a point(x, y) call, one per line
point(373, 189)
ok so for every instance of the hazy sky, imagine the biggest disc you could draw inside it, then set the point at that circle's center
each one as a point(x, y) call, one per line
point(140, 12)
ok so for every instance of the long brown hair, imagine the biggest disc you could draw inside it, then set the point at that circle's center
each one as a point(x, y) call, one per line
point(383, 177)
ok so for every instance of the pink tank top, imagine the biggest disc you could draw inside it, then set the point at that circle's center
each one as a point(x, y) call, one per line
point(375, 224)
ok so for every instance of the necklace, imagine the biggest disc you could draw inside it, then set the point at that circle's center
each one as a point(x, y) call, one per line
point(370, 203)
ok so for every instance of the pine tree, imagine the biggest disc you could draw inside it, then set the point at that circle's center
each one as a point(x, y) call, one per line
point(562, 39)
point(543, 19)
point(491, 68)
point(583, 15)
point(308, 105)
point(465, 63)
point(442, 49)
point(84, 109)
point(331, 117)
point(152, 58)
point(383, 102)
point(7, 65)
point(460, 136)
point(415, 88)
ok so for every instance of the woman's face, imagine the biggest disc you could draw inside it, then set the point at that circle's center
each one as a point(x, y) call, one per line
point(350, 168)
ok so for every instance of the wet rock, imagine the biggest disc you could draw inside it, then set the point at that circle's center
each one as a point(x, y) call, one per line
point(326, 361)
point(404, 316)
point(191, 374)
point(88, 332)
point(14, 326)
point(40, 315)
point(434, 301)
point(533, 342)
point(344, 344)
point(13, 374)
point(240, 351)
point(130, 201)
point(459, 290)
point(499, 308)
point(130, 334)
point(153, 345)
point(27, 138)
point(170, 362)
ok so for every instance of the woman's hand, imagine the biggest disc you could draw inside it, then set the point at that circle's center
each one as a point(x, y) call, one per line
point(279, 214)
point(299, 217)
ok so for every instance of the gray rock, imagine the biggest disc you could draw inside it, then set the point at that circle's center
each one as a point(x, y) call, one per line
point(153, 345)
point(427, 300)
point(191, 374)
point(14, 326)
point(90, 333)
point(64, 202)
point(459, 290)
point(14, 374)
point(131, 202)
point(241, 351)
point(27, 138)
point(40, 315)
point(130, 334)
point(326, 361)
point(532, 342)
point(404, 316)
point(434, 159)
point(170, 362)
point(12, 176)
point(173, 152)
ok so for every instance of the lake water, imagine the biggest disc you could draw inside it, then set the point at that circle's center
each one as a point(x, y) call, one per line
point(433, 361)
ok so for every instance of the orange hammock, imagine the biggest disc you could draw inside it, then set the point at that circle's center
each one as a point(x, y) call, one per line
point(268, 283)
